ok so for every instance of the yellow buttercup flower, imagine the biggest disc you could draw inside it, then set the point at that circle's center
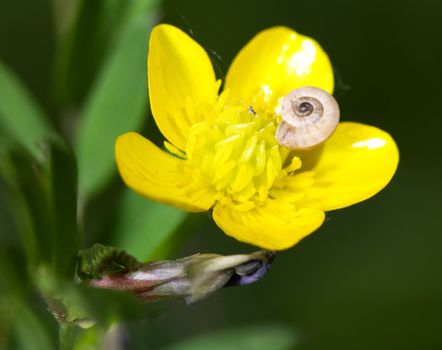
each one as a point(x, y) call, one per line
point(222, 152)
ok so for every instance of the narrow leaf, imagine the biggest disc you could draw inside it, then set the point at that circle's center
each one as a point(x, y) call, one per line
point(61, 194)
point(17, 172)
point(43, 198)
point(149, 230)
point(21, 119)
point(30, 333)
point(117, 104)
point(88, 31)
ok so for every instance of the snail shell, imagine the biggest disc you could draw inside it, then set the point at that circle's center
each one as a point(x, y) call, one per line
point(309, 117)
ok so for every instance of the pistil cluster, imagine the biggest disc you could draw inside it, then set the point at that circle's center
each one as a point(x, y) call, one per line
point(234, 150)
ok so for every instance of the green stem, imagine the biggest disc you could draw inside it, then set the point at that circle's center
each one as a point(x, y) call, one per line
point(66, 334)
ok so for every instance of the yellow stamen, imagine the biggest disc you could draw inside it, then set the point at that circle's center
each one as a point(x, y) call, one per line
point(237, 153)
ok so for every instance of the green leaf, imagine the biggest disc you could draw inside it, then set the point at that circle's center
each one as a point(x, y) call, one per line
point(14, 286)
point(83, 47)
point(64, 15)
point(117, 104)
point(61, 192)
point(18, 173)
point(150, 230)
point(43, 197)
point(89, 32)
point(21, 119)
point(260, 337)
point(30, 333)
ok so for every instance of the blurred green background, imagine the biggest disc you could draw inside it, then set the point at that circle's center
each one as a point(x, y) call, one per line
point(369, 278)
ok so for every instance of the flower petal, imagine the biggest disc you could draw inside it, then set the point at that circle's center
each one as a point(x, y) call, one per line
point(276, 61)
point(356, 162)
point(159, 176)
point(276, 225)
point(181, 79)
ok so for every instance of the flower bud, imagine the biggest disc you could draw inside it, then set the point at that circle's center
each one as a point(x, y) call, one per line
point(191, 278)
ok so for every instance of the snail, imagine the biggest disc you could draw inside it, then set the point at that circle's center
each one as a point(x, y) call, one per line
point(309, 117)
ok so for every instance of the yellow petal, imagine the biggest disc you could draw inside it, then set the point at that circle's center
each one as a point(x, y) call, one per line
point(157, 175)
point(181, 79)
point(276, 61)
point(356, 162)
point(274, 225)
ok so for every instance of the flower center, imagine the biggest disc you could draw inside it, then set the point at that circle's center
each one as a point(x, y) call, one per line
point(234, 150)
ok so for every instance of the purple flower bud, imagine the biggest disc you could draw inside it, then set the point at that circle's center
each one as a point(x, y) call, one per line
point(191, 278)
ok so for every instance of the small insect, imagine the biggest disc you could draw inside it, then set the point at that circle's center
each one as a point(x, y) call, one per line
point(309, 117)
point(251, 110)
